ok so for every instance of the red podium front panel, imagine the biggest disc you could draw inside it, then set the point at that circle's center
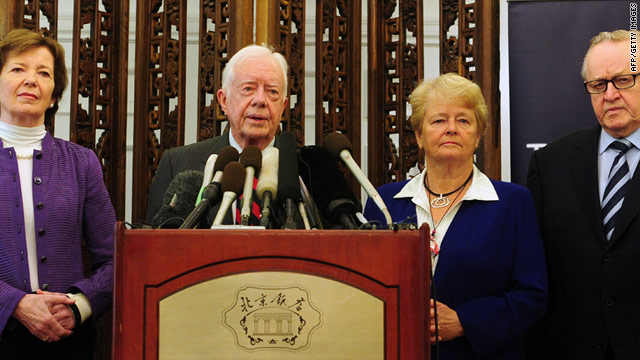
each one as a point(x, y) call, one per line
point(271, 294)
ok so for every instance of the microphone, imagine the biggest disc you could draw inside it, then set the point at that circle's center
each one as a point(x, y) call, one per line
point(208, 169)
point(232, 182)
point(178, 199)
point(208, 174)
point(267, 187)
point(309, 205)
point(288, 185)
point(336, 202)
point(338, 145)
point(251, 158)
point(225, 156)
point(210, 195)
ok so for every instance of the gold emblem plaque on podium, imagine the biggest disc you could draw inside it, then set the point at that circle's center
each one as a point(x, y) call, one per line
point(271, 294)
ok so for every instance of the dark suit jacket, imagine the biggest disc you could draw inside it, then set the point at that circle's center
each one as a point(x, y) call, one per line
point(177, 160)
point(594, 285)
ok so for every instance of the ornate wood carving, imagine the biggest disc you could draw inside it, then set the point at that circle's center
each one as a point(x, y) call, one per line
point(448, 45)
point(99, 88)
point(395, 68)
point(338, 42)
point(291, 45)
point(214, 54)
point(474, 55)
point(40, 16)
point(34, 10)
point(160, 88)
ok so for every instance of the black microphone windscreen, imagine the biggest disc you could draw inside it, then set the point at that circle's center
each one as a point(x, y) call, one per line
point(252, 156)
point(185, 187)
point(233, 177)
point(225, 156)
point(288, 183)
point(336, 142)
point(329, 189)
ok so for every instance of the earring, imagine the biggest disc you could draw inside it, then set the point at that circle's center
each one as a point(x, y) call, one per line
point(51, 105)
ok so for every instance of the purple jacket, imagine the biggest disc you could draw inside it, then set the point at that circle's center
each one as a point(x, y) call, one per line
point(70, 203)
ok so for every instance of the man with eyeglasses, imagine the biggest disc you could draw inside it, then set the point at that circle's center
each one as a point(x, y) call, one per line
point(586, 188)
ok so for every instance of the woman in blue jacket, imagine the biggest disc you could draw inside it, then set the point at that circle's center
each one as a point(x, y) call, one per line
point(487, 256)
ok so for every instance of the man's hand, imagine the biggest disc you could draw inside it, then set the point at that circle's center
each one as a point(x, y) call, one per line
point(35, 312)
point(449, 326)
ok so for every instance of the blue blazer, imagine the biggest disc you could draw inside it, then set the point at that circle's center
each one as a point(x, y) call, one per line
point(491, 270)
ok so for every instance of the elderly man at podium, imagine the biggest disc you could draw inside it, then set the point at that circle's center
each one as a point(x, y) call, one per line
point(253, 96)
point(489, 281)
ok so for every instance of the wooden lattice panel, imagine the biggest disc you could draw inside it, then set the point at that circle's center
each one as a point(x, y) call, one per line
point(160, 89)
point(472, 54)
point(98, 89)
point(291, 45)
point(338, 42)
point(214, 54)
point(396, 51)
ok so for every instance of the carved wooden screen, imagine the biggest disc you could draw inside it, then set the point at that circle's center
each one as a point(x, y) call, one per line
point(225, 27)
point(40, 16)
point(395, 68)
point(98, 71)
point(160, 87)
point(214, 30)
point(98, 92)
point(290, 43)
point(99, 88)
point(338, 66)
point(217, 45)
point(473, 53)
point(338, 42)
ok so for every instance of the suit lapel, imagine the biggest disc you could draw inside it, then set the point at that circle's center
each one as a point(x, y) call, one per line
point(584, 173)
point(223, 141)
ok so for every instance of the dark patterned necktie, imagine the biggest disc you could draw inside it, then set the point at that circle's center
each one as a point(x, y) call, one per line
point(616, 186)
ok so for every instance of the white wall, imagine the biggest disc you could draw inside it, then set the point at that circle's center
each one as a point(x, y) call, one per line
point(505, 124)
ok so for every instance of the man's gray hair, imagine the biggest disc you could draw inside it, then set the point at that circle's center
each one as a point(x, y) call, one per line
point(618, 35)
point(252, 50)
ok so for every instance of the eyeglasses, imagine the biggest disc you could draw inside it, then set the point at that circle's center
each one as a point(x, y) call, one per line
point(619, 82)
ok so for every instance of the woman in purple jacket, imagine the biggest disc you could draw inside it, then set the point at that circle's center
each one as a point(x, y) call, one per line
point(52, 198)
point(489, 270)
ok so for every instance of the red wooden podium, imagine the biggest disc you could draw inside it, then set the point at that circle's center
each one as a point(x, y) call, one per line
point(281, 294)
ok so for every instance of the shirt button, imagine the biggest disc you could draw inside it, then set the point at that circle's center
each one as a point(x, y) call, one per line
point(39, 156)
point(37, 180)
point(40, 206)
point(607, 258)
point(45, 287)
point(41, 232)
point(43, 259)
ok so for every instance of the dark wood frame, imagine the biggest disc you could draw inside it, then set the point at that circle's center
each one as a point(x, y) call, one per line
point(474, 54)
point(396, 67)
point(393, 266)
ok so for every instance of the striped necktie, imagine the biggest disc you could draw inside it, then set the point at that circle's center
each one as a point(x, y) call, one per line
point(616, 186)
